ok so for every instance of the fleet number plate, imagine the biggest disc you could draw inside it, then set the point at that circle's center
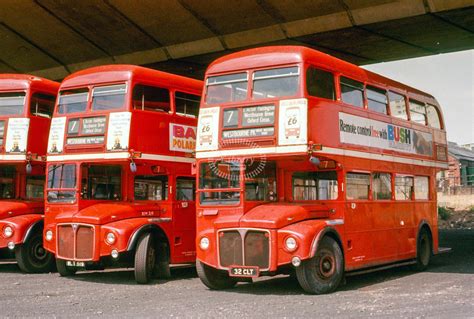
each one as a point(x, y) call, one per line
point(242, 271)
point(70, 263)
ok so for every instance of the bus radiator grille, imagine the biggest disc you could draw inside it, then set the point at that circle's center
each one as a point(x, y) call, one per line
point(244, 248)
point(257, 249)
point(75, 242)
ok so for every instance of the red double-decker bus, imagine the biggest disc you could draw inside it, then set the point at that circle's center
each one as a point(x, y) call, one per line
point(26, 107)
point(312, 165)
point(120, 188)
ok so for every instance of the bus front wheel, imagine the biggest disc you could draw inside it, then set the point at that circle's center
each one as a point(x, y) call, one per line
point(63, 269)
point(423, 250)
point(213, 278)
point(32, 257)
point(324, 271)
point(145, 259)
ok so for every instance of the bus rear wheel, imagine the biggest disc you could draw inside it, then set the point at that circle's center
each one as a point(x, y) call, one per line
point(323, 273)
point(423, 250)
point(213, 278)
point(32, 257)
point(145, 259)
point(63, 269)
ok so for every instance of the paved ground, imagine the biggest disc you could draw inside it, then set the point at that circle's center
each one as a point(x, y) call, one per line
point(445, 290)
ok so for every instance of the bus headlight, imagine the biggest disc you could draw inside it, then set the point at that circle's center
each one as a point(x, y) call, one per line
point(8, 231)
point(110, 238)
point(204, 243)
point(291, 244)
point(49, 235)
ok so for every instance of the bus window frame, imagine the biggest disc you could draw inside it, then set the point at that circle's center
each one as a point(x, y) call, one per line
point(340, 100)
point(369, 195)
point(392, 185)
point(335, 77)
point(366, 98)
point(429, 189)
point(206, 87)
point(412, 192)
point(299, 85)
point(90, 88)
point(172, 109)
point(26, 103)
point(339, 180)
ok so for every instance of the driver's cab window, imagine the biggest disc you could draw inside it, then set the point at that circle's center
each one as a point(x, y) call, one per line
point(186, 188)
point(101, 182)
point(260, 180)
point(35, 187)
point(151, 187)
point(7, 182)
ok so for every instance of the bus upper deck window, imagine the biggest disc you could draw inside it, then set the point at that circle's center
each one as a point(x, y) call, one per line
point(151, 98)
point(226, 88)
point(275, 83)
point(42, 105)
point(398, 106)
point(417, 112)
point(73, 101)
point(433, 116)
point(352, 92)
point(320, 83)
point(108, 97)
point(187, 104)
point(12, 103)
point(376, 99)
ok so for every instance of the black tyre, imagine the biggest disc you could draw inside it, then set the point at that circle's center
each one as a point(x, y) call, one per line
point(214, 278)
point(65, 270)
point(323, 273)
point(145, 258)
point(423, 250)
point(32, 257)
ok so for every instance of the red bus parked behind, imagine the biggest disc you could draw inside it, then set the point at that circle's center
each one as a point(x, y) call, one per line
point(311, 164)
point(120, 191)
point(26, 107)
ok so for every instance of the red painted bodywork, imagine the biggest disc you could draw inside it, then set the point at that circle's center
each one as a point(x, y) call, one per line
point(149, 138)
point(20, 212)
point(370, 232)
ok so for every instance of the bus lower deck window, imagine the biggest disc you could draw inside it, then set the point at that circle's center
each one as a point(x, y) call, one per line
point(315, 185)
point(422, 187)
point(151, 188)
point(381, 186)
point(403, 187)
point(358, 185)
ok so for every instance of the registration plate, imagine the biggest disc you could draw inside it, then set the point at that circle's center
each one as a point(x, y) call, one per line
point(70, 263)
point(242, 271)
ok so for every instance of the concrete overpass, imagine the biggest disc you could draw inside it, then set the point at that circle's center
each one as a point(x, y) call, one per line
point(53, 38)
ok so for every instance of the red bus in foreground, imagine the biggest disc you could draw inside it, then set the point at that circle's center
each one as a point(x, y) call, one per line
point(310, 164)
point(120, 189)
point(26, 106)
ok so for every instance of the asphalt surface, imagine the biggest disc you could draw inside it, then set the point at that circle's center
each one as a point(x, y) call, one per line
point(445, 290)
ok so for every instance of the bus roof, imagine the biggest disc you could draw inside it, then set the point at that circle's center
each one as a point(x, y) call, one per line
point(125, 72)
point(25, 81)
point(281, 55)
